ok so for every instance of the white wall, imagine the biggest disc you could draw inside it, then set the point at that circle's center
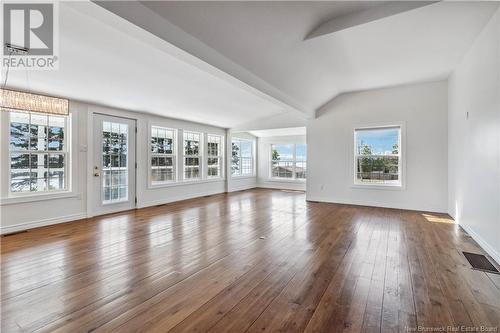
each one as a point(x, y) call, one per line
point(423, 109)
point(239, 183)
point(264, 163)
point(18, 214)
point(474, 143)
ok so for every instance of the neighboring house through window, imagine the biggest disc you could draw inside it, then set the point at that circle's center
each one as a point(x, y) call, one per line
point(289, 161)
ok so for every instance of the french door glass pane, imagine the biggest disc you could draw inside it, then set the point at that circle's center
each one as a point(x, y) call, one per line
point(114, 162)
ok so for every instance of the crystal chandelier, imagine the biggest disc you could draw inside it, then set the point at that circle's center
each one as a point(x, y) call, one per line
point(22, 101)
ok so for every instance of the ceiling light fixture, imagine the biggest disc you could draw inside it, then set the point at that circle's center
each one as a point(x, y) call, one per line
point(21, 101)
point(12, 100)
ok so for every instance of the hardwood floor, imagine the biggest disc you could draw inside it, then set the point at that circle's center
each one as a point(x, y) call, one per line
point(251, 261)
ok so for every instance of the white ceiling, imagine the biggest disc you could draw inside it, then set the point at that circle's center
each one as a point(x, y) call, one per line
point(267, 39)
point(279, 132)
point(232, 63)
point(106, 60)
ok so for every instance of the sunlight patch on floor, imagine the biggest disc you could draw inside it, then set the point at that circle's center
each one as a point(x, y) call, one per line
point(438, 219)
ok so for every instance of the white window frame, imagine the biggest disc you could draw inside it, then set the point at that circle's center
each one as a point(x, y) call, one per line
point(173, 155)
point(220, 156)
point(199, 156)
point(401, 185)
point(240, 174)
point(66, 152)
point(294, 162)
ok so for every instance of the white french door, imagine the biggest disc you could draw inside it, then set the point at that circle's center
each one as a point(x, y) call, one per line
point(114, 164)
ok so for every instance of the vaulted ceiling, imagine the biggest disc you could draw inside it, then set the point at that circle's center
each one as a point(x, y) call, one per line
point(230, 63)
point(268, 39)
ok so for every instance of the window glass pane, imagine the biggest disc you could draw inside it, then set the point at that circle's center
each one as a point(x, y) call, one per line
point(114, 162)
point(246, 148)
point(377, 141)
point(192, 148)
point(282, 152)
point(282, 169)
point(301, 152)
point(20, 181)
point(235, 158)
point(56, 133)
point(214, 145)
point(56, 180)
point(39, 165)
point(191, 167)
point(214, 167)
point(377, 169)
point(19, 142)
point(19, 161)
point(241, 157)
point(20, 119)
point(301, 170)
point(377, 155)
point(246, 166)
point(19, 131)
point(39, 119)
point(56, 161)
point(289, 161)
point(38, 184)
point(191, 143)
point(38, 137)
point(162, 161)
point(162, 175)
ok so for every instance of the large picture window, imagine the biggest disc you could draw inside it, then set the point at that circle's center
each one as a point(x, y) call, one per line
point(192, 155)
point(214, 156)
point(289, 161)
point(163, 153)
point(38, 152)
point(378, 156)
point(241, 157)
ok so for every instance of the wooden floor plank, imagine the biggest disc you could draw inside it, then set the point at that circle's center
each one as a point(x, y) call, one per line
point(255, 260)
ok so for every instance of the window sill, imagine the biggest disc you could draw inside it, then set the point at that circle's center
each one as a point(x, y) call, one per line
point(185, 182)
point(398, 187)
point(36, 197)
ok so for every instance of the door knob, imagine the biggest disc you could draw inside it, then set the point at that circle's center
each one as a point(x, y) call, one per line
point(96, 174)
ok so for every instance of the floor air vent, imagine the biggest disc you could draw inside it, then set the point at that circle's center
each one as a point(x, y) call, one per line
point(480, 262)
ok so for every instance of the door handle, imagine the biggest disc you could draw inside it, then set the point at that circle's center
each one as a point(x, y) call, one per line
point(96, 174)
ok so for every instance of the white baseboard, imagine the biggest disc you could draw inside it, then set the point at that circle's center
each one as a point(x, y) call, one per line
point(242, 187)
point(378, 204)
point(484, 245)
point(179, 198)
point(41, 223)
point(283, 186)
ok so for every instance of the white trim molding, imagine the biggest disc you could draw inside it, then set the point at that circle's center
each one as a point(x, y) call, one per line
point(430, 209)
point(41, 223)
point(401, 185)
point(482, 243)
